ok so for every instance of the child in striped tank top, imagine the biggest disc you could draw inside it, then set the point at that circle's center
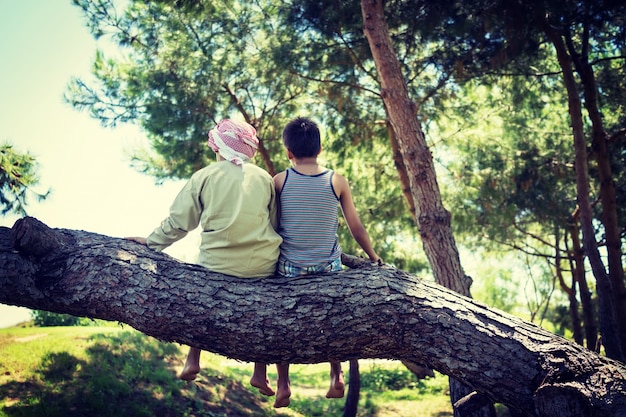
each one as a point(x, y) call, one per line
point(310, 196)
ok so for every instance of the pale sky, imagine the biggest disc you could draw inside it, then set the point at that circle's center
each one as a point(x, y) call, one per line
point(43, 43)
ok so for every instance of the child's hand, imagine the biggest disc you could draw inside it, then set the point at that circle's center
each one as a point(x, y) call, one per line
point(141, 240)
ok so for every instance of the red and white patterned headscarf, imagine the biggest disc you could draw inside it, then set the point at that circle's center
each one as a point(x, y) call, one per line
point(234, 141)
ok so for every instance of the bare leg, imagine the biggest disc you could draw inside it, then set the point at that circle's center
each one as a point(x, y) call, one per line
point(259, 379)
point(283, 392)
point(192, 365)
point(337, 384)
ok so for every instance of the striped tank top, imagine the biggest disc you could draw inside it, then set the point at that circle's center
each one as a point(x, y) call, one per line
point(309, 219)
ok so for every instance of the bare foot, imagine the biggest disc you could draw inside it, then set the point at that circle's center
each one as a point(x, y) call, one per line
point(189, 373)
point(262, 385)
point(282, 397)
point(337, 386)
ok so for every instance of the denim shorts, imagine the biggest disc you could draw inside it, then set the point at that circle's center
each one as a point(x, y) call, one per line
point(287, 269)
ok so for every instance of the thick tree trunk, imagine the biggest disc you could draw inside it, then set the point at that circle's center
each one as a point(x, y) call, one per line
point(433, 220)
point(375, 312)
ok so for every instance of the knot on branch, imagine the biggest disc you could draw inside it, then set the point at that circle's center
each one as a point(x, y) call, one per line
point(31, 237)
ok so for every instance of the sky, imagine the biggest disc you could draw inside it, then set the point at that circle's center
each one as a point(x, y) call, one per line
point(43, 44)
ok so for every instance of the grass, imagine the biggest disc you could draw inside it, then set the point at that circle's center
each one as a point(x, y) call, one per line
point(114, 371)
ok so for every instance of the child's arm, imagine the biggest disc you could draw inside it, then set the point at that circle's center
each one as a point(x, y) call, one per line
point(279, 181)
point(342, 188)
point(274, 208)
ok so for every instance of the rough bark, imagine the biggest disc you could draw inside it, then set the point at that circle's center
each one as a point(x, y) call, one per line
point(374, 312)
point(433, 220)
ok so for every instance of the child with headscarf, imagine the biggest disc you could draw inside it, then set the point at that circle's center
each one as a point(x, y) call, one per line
point(234, 202)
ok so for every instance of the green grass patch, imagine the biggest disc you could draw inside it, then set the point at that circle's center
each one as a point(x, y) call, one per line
point(115, 371)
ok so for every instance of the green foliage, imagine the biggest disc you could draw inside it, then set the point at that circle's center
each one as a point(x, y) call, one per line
point(500, 285)
point(618, 167)
point(511, 168)
point(507, 149)
point(386, 376)
point(382, 378)
point(42, 318)
point(17, 177)
point(109, 374)
point(183, 68)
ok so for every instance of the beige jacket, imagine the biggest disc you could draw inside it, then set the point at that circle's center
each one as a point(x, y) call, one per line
point(236, 209)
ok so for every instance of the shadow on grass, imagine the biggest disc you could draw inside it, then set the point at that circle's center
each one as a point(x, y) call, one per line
point(125, 374)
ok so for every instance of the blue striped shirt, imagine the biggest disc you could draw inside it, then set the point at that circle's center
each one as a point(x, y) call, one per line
point(309, 219)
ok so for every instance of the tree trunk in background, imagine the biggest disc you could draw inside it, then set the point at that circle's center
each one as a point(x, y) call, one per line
point(608, 199)
point(607, 308)
point(354, 390)
point(401, 168)
point(571, 292)
point(578, 271)
point(432, 219)
point(375, 312)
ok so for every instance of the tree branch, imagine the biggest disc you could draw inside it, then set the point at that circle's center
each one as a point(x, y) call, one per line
point(372, 312)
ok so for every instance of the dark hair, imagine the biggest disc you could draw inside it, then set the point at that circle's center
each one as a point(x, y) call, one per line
point(302, 137)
